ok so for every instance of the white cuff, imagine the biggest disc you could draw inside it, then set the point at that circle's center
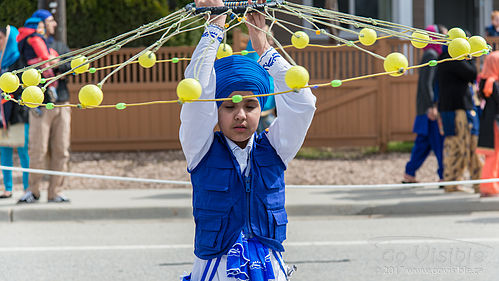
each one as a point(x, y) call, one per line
point(214, 32)
point(273, 62)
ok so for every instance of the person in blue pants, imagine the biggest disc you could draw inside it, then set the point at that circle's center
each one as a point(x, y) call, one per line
point(429, 137)
point(6, 160)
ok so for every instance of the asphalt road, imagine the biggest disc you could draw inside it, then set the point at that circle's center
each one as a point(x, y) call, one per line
point(461, 247)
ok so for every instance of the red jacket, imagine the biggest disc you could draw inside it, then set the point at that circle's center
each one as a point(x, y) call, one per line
point(35, 41)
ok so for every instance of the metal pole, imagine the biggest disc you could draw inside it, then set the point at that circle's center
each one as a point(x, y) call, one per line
point(42, 4)
point(58, 9)
point(60, 17)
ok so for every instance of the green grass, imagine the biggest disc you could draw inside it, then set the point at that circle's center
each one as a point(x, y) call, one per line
point(350, 153)
point(400, 146)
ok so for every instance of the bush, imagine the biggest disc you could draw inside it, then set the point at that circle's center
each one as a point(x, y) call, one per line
point(16, 12)
point(92, 21)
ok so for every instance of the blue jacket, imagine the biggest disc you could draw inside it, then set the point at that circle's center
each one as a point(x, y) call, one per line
point(226, 203)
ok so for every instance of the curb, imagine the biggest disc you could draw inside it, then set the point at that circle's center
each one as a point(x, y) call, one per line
point(5, 215)
point(443, 207)
point(66, 213)
point(435, 207)
point(77, 214)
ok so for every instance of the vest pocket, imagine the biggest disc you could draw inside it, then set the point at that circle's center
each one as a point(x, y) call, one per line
point(213, 192)
point(209, 229)
point(271, 168)
point(272, 176)
point(215, 187)
point(278, 224)
point(217, 179)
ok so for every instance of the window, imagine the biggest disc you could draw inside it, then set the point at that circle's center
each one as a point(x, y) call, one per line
point(378, 9)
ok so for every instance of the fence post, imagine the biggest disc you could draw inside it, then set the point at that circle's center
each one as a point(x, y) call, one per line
point(383, 48)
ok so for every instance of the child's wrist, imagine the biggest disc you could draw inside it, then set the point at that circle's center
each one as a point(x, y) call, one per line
point(217, 25)
point(260, 50)
point(218, 20)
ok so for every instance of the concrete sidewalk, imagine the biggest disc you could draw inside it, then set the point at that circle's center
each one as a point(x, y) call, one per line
point(176, 203)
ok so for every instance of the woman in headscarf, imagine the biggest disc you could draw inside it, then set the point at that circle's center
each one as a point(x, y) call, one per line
point(10, 111)
point(488, 140)
point(455, 108)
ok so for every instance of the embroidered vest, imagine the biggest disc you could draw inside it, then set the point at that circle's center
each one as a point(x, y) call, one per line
point(226, 202)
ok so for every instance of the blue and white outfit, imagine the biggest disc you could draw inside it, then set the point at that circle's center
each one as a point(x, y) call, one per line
point(238, 193)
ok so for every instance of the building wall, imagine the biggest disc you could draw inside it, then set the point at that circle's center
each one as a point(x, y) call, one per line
point(418, 18)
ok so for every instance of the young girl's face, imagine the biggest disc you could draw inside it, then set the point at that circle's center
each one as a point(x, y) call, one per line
point(239, 121)
point(41, 28)
point(495, 21)
point(3, 40)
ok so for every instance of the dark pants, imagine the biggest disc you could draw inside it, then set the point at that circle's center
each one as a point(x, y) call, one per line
point(422, 147)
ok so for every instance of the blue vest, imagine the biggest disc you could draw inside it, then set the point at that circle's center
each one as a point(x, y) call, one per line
point(226, 203)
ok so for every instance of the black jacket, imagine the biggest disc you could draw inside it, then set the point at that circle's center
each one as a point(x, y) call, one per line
point(62, 87)
point(453, 82)
point(489, 116)
point(13, 112)
point(425, 95)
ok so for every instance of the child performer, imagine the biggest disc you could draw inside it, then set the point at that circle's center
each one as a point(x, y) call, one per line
point(237, 175)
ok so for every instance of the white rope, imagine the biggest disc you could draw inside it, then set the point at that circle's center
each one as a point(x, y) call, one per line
point(67, 174)
point(334, 186)
point(393, 185)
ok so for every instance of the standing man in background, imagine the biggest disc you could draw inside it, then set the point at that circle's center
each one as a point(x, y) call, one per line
point(50, 129)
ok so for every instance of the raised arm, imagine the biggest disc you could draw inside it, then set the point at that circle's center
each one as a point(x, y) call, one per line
point(295, 111)
point(199, 118)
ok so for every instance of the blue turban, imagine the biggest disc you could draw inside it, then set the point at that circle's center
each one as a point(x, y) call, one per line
point(239, 73)
point(32, 22)
point(42, 14)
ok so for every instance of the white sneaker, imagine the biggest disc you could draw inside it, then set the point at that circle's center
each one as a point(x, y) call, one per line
point(28, 198)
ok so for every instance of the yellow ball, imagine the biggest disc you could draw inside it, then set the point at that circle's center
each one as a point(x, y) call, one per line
point(300, 40)
point(456, 32)
point(367, 36)
point(421, 36)
point(189, 89)
point(224, 51)
point(296, 77)
point(90, 95)
point(9, 82)
point(32, 94)
point(78, 61)
point(459, 47)
point(477, 44)
point(147, 59)
point(31, 77)
point(394, 62)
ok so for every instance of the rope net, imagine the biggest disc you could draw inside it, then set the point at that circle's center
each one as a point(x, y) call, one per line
point(367, 30)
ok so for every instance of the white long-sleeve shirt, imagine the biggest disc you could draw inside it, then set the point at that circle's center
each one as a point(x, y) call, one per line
point(198, 119)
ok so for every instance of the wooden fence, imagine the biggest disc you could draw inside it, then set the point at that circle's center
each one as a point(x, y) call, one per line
point(370, 111)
